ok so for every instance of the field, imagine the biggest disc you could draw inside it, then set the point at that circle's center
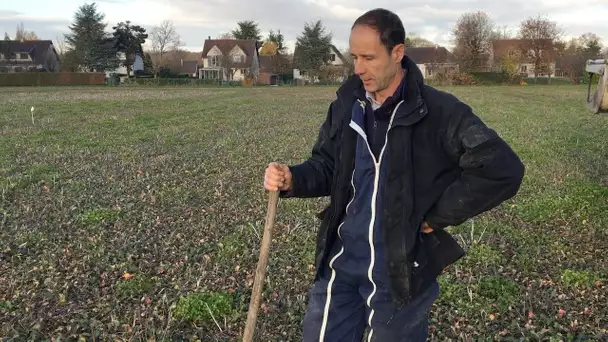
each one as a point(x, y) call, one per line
point(136, 214)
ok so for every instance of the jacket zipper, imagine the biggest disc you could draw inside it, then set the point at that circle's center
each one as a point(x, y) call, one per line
point(373, 204)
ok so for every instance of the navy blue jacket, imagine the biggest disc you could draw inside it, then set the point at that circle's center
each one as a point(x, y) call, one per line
point(443, 165)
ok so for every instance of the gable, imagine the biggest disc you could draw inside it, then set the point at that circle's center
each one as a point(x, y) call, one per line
point(237, 51)
point(215, 51)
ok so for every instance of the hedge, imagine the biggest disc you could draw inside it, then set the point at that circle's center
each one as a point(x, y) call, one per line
point(491, 77)
point(546, 80)
point(52, 78)
point(160, 81)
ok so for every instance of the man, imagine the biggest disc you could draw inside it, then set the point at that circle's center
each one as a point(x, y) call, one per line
point(401, 161)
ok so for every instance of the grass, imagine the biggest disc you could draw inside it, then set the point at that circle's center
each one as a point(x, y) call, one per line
point(137, 213)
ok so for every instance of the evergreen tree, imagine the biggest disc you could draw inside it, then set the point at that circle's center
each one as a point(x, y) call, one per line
point(279, 40)
point(129, 39)
point(247, 30)
point(313, 48)
point(148, 65)
point(91, 47)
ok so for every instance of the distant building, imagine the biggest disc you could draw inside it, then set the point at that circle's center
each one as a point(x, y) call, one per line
point(189, 67)
point(268, 74)
point(432, 60)
point(138, 65)
point(338, 66)
point(521, 50)
point(28, 55)
point(229, 59)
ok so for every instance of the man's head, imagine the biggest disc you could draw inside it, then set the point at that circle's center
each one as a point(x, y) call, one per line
point(377, 46)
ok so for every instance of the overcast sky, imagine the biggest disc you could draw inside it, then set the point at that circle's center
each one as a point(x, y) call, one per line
point(198, 19)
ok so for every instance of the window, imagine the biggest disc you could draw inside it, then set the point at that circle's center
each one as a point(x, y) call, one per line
point(332, 57)
point(523, 68)
point(214, 61)
point(238, 58)
point(23, 55)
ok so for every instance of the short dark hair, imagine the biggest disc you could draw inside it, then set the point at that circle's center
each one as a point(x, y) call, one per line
point(388, 25)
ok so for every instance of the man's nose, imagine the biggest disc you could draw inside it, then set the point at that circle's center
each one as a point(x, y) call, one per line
point(359, 67)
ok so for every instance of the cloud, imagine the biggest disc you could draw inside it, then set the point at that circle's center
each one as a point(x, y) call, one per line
point(195, 20)
point(8, 14)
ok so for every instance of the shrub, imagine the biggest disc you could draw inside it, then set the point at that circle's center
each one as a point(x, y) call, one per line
point(453, 77)
point(159, 81)
point(492, 77)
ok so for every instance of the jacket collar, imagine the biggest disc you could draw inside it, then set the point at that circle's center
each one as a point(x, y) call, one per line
point(413, 108)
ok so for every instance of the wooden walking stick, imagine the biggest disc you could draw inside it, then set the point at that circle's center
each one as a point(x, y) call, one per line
point(260, 272)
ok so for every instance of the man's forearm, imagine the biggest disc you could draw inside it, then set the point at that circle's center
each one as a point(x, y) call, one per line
point(311, 178)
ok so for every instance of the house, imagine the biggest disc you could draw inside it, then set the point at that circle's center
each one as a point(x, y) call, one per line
point(432, 60)
point(28, 55)
point(229, 59)
point(121, 71)
point(189, 67)
point(337, 68)
point(523, 55)
point(268, 76)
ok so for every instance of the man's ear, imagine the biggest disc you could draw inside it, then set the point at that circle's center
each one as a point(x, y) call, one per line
point(398, 52)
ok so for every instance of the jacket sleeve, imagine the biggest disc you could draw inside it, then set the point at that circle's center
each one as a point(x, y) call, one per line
point(313, 177)
point(491, 172)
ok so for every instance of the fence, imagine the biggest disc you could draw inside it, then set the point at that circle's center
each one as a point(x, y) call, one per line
point(52, 78)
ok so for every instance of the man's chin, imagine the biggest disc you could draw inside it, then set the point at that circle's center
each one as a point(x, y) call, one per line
point(371, 88)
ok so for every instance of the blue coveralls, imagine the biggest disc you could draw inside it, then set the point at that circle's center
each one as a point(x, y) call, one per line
point(352, 291)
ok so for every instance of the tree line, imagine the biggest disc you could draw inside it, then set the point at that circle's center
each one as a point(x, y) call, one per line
point(541, 42)
point(89, 47)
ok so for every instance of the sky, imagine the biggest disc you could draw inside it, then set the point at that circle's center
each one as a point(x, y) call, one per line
point(196, 20)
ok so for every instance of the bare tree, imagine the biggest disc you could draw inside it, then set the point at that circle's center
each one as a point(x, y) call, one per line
point(23, 34)
point(164, 38)
point(229, 65)
point(473, 35)
point(227, 35)
point(573, 61)
point(502, 32)
point(60, 46)
point(538, 35)
point(592, 45)
point(414, 40)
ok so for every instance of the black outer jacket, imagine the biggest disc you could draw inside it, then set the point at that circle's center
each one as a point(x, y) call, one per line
point(444, 167)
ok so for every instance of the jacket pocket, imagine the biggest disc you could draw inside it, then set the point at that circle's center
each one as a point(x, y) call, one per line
point(435, 252)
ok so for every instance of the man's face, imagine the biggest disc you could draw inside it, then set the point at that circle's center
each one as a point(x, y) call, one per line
point(373, 63)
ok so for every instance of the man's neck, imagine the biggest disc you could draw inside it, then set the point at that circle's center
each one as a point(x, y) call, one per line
point(385, 93)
